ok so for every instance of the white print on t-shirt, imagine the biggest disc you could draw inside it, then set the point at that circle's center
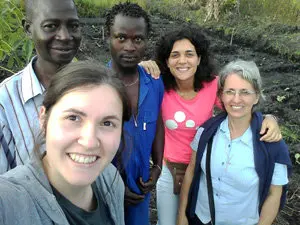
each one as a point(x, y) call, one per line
point(179, 117)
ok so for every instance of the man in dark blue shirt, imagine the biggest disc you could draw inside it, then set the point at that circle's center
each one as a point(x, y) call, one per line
point(127, 27)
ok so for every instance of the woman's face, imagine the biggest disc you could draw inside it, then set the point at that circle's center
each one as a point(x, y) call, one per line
point(238, 97)
point(82, 135)
point(183, 61)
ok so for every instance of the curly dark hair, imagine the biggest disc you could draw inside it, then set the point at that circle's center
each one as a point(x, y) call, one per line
point(126, 9)
point(206, 68)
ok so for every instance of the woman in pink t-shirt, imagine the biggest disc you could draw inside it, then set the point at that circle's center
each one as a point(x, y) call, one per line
point(189, 99)
point(190, 96)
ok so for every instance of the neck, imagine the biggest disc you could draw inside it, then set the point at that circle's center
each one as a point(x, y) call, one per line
point(185, 86)
point(45, 71)
point(128, 73)
point(186, 90)
point(237, 127)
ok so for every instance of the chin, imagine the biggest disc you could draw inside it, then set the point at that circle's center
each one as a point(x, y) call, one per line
point(84, 177)
point(64, 58)
point(64, 61)
point(237, 115)
point(82, 180)
point(129, 64)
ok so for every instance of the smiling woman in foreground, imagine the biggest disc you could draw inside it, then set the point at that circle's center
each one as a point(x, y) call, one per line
point(73, 181)
point(234, 177)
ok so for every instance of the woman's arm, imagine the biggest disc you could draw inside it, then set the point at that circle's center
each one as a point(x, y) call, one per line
point(188, 178)
point(270, 206)
point(151, 68)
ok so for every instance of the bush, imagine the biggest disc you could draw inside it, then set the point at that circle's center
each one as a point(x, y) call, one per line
point(15, 48)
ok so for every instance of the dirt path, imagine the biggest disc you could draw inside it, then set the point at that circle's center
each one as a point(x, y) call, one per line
point(281, 81)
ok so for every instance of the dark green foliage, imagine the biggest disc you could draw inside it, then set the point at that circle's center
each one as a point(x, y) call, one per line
point(15, 48)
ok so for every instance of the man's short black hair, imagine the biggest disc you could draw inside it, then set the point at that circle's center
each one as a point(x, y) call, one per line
point(31, 7)
point(126, 9)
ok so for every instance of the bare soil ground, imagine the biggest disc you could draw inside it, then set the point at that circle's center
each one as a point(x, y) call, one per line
point(280, 76)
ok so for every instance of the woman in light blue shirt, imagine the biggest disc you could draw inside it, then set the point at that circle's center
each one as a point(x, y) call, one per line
point(248, 176)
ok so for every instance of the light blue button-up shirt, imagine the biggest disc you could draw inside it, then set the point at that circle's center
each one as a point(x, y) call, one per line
point(234, 179)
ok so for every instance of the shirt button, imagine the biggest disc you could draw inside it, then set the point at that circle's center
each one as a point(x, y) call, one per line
point(219, 178)
point(229, 146)
point(217, 194)
point(223, 163)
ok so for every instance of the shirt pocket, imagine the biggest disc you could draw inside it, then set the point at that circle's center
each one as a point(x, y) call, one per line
point(149, 123)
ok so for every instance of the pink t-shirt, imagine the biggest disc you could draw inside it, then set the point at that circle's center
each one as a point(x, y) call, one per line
point(182, 118)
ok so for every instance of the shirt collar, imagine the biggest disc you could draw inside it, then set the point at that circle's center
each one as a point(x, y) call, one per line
point(144, 76)
point(245, 138)
point(31, 86)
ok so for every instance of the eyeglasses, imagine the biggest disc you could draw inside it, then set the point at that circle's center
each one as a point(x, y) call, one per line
point(241, 92)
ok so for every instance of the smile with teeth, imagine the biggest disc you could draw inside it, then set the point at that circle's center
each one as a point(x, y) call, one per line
point(182, 69)
point(82, 158)
point(236, 107)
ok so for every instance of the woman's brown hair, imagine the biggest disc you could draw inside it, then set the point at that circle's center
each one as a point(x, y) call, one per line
point(82, 74)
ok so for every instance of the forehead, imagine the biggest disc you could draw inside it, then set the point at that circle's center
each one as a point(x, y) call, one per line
point(55, 9)
point(128, 24)
point(183, 45)
point(87, 97)
point(234, 80)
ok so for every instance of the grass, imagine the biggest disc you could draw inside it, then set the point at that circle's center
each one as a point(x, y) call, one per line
point(291, 133)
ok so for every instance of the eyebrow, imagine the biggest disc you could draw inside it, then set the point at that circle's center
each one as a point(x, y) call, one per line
point(116, 34)
point(184, 51)
point(58, 20)
point(115, 117)
point(75, 111)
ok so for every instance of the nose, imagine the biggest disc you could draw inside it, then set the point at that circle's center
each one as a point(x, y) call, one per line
point(182, 59)
point(236, 97)
point(88, 137)
point(129, 45)
point(64, 34)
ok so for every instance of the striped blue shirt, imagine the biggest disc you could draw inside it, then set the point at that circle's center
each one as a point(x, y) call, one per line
point(21, 97)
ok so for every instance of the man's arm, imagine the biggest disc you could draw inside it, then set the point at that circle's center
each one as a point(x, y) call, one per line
point(7, 146)
point(270, 130)
point(157, 157)
point(271, 205)
point(151, 68)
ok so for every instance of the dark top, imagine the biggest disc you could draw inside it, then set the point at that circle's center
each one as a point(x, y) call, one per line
point(78, 216)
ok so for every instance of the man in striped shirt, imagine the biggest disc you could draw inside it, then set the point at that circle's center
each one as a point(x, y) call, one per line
point(54, 28)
